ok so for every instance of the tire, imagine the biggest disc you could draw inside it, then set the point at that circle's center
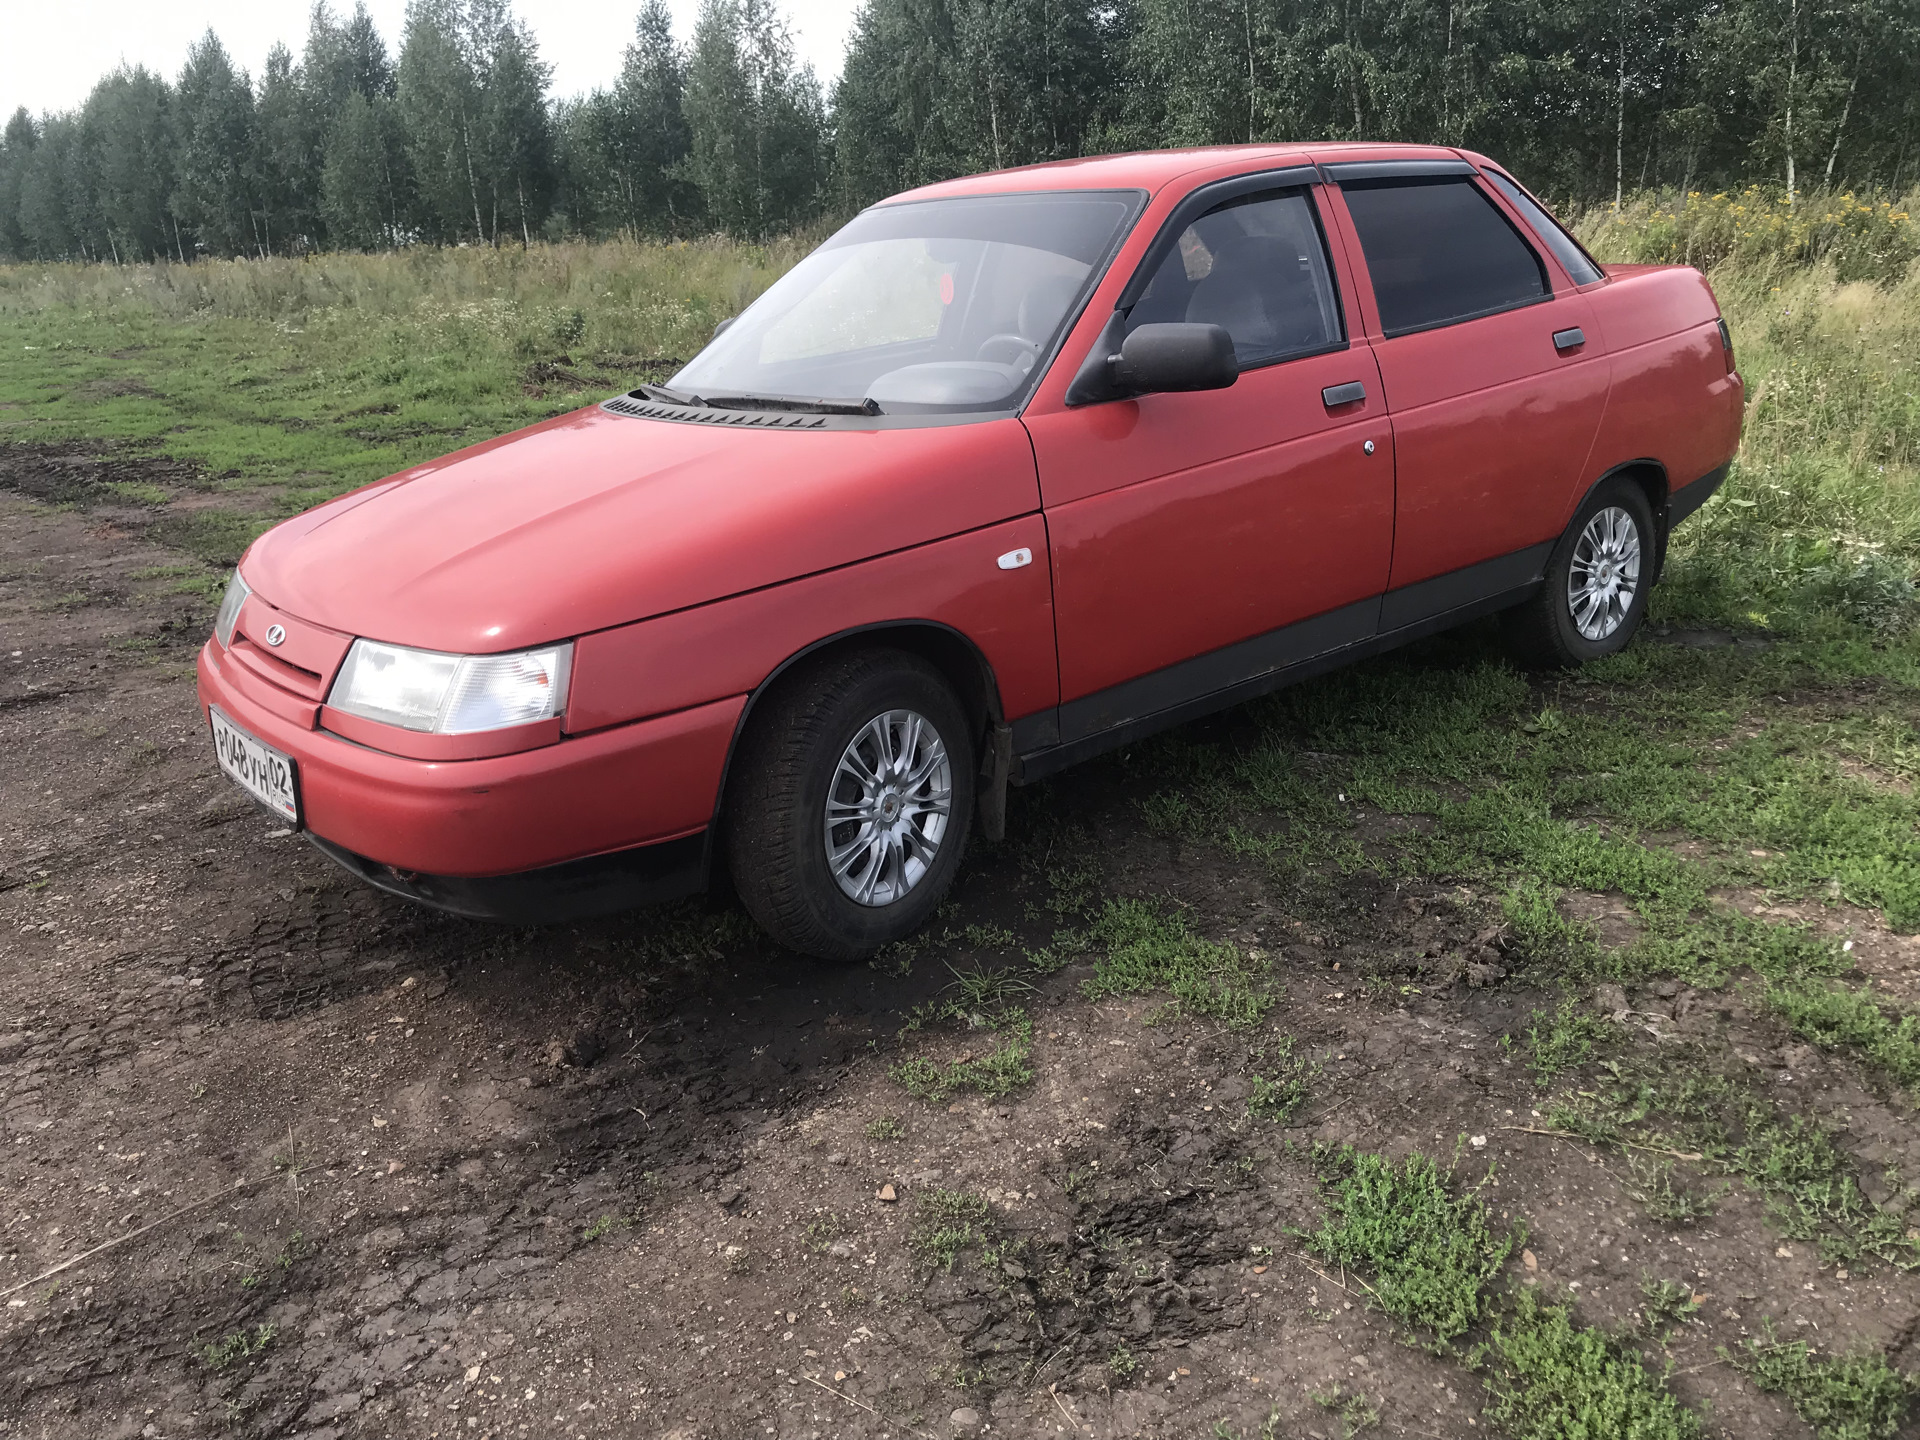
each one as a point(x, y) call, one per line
point(795, 757)
point(1597, 580)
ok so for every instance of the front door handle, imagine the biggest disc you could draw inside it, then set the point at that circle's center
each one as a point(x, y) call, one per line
point(1337, 395)
point(1565, 340)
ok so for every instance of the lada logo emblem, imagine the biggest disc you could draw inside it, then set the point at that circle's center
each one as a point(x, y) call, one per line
point(275, 634)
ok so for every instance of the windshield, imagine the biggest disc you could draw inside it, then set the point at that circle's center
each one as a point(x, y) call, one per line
point(931, 305)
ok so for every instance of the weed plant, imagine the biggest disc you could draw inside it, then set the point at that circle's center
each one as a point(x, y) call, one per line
point(1847, 1397)
point(1147, 949)
point(1665, 1305)
point(1552, 1380)
point(1429, 1251)
point(946, 1223)
point(1792, 1161)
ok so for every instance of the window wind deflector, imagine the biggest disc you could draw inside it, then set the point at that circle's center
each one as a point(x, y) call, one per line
point(1345, 172)
point(806, 404)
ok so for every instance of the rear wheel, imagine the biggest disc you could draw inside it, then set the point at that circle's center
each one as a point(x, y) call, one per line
point(851, 803)
point(1597, 579)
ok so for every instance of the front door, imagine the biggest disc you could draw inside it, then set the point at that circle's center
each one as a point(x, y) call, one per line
point(1202, 540)
point(1497, 383)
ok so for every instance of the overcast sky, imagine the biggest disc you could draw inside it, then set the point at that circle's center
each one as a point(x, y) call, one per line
point(51, 51)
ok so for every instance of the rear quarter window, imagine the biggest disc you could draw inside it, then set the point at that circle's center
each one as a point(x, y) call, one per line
point(1440, 252)
point(1577, 263)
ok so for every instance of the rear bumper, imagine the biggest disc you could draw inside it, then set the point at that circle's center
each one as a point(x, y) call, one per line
point(1689, 498)
point(425, 827)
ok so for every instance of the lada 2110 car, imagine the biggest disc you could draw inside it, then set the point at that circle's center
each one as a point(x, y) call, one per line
point(1012, 470)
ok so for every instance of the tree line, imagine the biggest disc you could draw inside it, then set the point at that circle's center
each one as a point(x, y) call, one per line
point(457, 139)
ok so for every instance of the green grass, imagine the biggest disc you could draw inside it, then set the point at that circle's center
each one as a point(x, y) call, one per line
point(1144, 949)
point(1552, 1380)
point(1428, 1256)
point(1839, 1018)
point(947, 1223)
point(1650, 1181)
point(1427, 1251)
point(1563, 1039)
point(1006, 1067)
point(309, 377)
point(1665, 1305)
point(1682, 1106)
point(1849, 1397)
point(242, 1344)
point(1357, 1413)
point(1278, 1097)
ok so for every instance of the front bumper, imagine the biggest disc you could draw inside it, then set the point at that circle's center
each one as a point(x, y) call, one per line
point(598, 885)
point(426, 828)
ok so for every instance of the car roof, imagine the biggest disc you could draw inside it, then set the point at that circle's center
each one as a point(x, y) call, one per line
point(1149, 170)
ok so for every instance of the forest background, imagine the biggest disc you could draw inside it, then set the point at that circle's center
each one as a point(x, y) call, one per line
point(452, 135)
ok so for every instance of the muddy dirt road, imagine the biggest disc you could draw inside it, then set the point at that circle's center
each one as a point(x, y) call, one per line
point(650, 1177)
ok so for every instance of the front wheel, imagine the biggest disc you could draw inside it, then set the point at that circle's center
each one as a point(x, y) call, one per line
point(1597, 579)
point(851, 803)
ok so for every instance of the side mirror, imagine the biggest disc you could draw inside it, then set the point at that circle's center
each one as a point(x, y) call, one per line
point(1154, 358)
point(1158, 358)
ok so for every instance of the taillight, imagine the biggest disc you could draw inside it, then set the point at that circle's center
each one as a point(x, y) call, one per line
point(1726, 342)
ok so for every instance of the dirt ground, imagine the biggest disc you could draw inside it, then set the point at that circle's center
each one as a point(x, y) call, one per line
point(627, 1178)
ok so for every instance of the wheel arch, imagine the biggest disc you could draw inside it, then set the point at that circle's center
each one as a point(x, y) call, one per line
point(948, 650)
point(1646, 472)
point(1651, 476)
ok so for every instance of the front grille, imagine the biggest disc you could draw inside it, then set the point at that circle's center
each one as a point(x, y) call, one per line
point(305, 683)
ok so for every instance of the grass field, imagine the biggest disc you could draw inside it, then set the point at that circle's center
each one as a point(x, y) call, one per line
point(290, 381)
point(1745, 801)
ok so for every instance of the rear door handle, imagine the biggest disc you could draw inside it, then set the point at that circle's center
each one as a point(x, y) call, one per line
point(1565, 340)
point(1347, 394)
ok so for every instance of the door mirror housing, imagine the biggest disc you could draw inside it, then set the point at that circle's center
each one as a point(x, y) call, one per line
point(1155, 359)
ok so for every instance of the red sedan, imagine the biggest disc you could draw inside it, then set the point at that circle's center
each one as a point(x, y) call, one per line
point(1011, 471)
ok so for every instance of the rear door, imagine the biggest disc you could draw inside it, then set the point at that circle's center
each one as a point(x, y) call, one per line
point(1494, 376)
point(1202, 540)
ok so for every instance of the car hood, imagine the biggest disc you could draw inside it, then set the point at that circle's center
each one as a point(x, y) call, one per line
point(594, 519)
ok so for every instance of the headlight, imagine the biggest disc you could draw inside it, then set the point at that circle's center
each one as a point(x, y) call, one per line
point(452, 694)
point(229, 616)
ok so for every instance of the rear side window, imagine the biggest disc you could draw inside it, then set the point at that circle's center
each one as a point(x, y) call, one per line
point(1255, 266)
point(1577, 263)
point(1439, 252)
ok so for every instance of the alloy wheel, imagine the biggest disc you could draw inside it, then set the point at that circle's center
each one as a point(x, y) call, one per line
point(888, 808)
point(1604, 575)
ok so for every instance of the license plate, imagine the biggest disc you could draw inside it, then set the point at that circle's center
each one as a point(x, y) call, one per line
point(260, 770)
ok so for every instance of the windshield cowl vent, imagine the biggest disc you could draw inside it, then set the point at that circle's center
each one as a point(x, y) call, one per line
point(640, 408)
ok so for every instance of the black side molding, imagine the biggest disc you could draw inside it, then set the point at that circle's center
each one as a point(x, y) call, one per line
point(1248, 669)
point(1458, 589)
point(1216, 671)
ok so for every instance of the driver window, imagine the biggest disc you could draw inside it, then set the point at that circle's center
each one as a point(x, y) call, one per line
point(1256, 266)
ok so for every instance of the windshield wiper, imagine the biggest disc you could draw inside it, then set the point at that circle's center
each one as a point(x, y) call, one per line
point(806, 404)
point(670, 397)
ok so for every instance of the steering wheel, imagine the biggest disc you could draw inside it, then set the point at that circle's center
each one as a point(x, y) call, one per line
point(1020, 347)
